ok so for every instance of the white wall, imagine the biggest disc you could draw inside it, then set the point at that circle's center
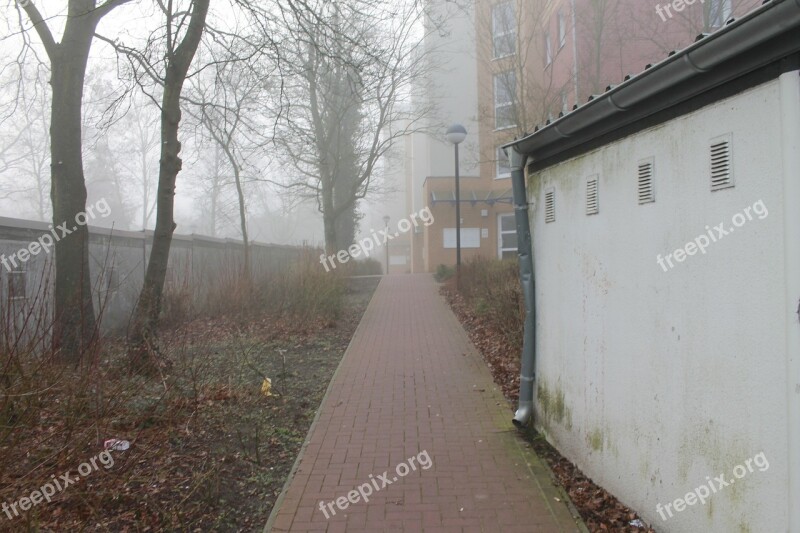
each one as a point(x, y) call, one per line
point(650, 381)
point(452, 92)
point(453, 87)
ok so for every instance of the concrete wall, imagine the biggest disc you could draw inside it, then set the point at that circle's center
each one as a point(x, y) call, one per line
point(118, 259)
point(652, 381)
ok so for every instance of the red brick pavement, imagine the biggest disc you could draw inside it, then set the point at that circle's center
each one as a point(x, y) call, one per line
point(411, 382)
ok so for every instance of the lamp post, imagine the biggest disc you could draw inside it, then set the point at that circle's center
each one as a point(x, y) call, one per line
point(455, 136)
point(386, 221)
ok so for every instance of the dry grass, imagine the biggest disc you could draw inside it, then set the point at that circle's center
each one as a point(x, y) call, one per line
point(491, 288)
point(304, 292)
point(223, 344)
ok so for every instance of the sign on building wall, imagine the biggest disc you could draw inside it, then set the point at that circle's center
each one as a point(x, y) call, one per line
point(470, 238)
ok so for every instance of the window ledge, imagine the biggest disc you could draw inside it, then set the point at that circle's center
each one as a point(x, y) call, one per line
point(499, 58)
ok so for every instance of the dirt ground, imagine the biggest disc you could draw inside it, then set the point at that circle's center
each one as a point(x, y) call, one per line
point(210, 447)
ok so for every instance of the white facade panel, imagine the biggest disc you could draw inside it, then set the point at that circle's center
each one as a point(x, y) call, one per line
point(453, 87)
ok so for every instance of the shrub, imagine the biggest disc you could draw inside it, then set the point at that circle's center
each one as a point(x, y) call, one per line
point(492, 289)
point(303, 291)
point(176, 305)
point(444, 273)
point(364, 267)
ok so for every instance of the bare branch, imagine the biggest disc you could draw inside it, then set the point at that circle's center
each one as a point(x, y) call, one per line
point(42, 29)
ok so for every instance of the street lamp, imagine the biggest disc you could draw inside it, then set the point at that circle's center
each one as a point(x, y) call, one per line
point(455, 136)
point(386, 221)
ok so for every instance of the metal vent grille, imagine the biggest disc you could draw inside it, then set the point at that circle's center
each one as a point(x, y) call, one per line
point(592, 198)
point(550, 205)
point(647, 193)
point(721, 163)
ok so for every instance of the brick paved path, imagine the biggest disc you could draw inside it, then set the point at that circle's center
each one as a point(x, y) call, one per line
point(411, 382)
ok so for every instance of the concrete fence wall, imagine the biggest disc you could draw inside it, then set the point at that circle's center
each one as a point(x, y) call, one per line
point(117, 262)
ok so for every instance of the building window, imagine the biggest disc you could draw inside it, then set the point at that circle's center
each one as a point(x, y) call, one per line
point(504, 30)
point(470, 238)
point(17, 285)
point(718, 12)
point(562, 29)
point(505, 92)
point(548, 50)
point(507, 242)
point(503, 164)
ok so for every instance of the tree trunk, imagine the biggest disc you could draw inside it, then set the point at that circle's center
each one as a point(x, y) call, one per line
point(75, 321)
point(329, 220)
point(243, 220)
point(346, 228)
point(74, 325)
point(143, 351)
point(237, 176)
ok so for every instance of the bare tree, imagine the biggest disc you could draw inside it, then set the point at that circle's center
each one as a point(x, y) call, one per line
point(231, 113)
point(211, 177)
point(25, 156)
point(166, 60)
point(522, 89)
point(179, 55)
point(139, 140)
point(75, 321)
point(514, 42)
point(669, 30)
point(103, 145)
point(350, 68)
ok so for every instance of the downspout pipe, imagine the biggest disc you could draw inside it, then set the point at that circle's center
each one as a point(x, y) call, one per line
point(525, 410)
point(575, 52)
point(790, 138)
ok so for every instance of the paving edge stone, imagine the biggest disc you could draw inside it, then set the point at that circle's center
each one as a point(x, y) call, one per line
point(273, 515)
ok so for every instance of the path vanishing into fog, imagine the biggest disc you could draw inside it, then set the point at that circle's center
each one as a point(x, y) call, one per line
point(413, 435)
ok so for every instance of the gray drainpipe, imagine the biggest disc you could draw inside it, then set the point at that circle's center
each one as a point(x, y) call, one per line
point(525, 410)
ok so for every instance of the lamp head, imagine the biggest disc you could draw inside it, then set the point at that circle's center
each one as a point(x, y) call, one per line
point(456, 134)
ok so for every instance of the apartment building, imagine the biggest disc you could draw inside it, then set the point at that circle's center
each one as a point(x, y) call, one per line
point(531, 61)
point(453, 93)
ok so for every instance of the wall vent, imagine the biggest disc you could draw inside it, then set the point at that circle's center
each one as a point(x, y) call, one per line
point(646, 187)
point(550, 205)
point(592, 198)
point(722, 162)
